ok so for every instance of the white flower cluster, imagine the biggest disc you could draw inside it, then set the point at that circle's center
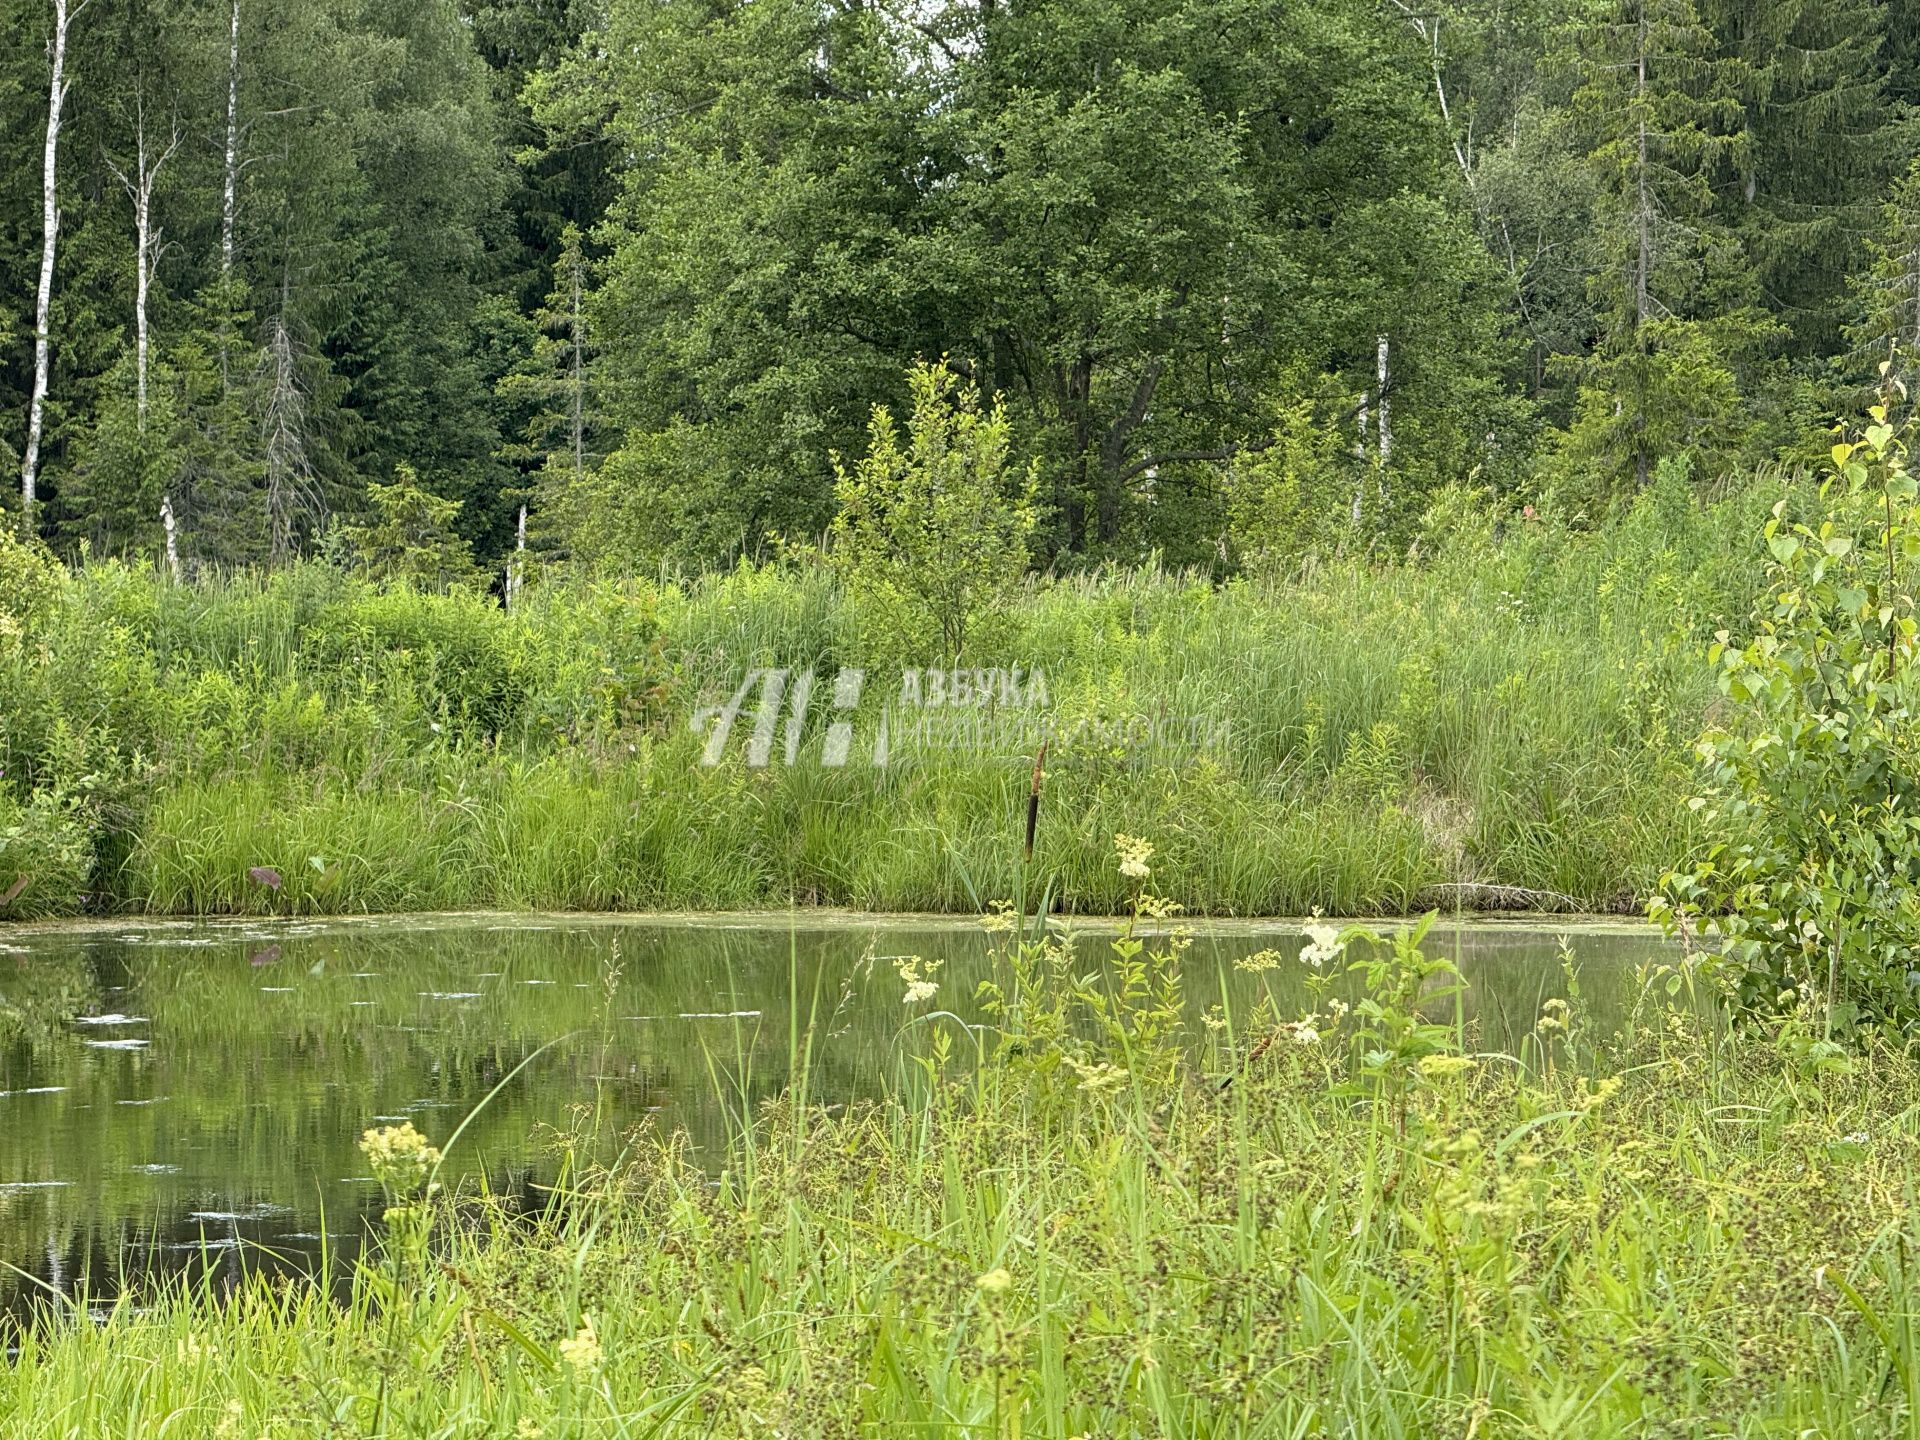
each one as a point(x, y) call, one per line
point(1134, 854)
point(1324, 943)
point(918, 976)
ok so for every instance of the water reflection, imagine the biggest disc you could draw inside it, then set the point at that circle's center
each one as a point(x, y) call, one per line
point(189, 1096)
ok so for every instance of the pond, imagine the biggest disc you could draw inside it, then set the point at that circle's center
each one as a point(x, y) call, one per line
point(176, 1096)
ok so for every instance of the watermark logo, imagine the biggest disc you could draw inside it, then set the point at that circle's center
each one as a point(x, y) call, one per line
point(985, 711)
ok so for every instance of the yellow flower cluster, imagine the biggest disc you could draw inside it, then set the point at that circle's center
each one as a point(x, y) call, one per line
point(918, 977)
point(582, 1352)
point(400, 1158)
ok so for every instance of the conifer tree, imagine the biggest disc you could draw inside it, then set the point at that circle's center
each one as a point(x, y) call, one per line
point(1672, 294)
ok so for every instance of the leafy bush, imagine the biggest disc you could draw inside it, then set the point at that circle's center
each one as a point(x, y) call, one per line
point(1811, 785)
point(46, 855)
point(932, 534)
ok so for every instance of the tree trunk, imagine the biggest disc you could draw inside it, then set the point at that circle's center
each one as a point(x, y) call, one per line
point(173, 543)
point(230, 186)
point(1384, 409)
point(50, 233)
point(1643, 256)
point(579, 347)
point(146, 250)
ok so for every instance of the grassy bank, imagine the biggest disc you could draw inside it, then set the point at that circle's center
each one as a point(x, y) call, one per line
point(1507, 713)
point(1277, 1225)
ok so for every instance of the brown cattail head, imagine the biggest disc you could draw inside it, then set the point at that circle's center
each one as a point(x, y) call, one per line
point(1033, 797)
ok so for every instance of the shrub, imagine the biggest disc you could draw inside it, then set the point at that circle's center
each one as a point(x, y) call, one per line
point(932, 534)
point(1812, 783)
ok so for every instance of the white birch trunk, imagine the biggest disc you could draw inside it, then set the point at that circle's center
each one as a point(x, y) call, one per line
point(230, 188)
point(515, 566)
point(50, 239)
point(579, 338)
point(173, 540)
point(146, 250)
point(1384, 418)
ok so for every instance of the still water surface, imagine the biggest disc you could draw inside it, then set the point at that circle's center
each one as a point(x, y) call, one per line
point(175, 1095)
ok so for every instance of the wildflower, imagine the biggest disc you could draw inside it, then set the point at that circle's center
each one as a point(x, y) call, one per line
point(918, 976)
point(583, 1351)
point(1324, 943)
point(1858, 1137)
point(400, 1157)
point(1436, 1067)
point(1260, 960)
point(1134, 854)
point(1599, 1094)
point(1098, 1077)
point(1302, 1032)
point(995, 1282)
point(1000, 919)
point(527, 1429)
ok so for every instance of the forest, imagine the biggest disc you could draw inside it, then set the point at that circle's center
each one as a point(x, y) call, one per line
point(616, 281)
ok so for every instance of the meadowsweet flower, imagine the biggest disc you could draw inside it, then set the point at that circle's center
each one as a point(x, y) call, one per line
point(583, 1351)
point(1324, 943)
point(1258, 961)
point(1099, 1076)
point(1436, 1067)
point(995, 1282)
point(528, 1429)
point(1000, 919)
point(400, 1157)
point(918, 977)
point(1134, 854)
point(1302, 1032)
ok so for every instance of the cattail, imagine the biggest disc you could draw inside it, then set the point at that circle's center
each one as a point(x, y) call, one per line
point(1033, 797)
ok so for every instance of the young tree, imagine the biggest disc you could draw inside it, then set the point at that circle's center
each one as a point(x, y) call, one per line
point(932, 533)
point(555, 383)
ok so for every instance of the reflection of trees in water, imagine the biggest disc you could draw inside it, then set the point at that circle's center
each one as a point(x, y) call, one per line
point(40, 993)
point(258, 1097)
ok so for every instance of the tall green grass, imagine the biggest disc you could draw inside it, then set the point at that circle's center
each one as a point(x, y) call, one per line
point(1504, 719)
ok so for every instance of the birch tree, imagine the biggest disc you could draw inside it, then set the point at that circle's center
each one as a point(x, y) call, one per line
point(64, 15)
point(146, 253)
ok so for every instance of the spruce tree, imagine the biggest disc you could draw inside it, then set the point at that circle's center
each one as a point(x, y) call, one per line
point(1818, 144)
point(1676, 330)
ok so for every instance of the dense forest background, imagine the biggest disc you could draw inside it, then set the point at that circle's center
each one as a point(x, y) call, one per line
point(1252, 277)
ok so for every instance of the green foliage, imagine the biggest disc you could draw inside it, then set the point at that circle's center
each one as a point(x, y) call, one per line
point(411, 536)
point(932, 533)
point(1811, 785)
point(1289, 498)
